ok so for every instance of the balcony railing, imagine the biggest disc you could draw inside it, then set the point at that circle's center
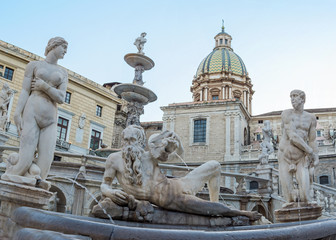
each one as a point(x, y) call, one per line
point(61, 144)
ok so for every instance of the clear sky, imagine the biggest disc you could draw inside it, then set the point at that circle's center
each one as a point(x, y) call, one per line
point(284, 44)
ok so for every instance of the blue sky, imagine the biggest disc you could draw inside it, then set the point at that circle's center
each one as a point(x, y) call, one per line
point(284, 44)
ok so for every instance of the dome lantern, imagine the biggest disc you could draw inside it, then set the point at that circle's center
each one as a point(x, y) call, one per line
point(223, 39)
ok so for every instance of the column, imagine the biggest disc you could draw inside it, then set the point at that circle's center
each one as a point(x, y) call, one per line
point(206, 94)
point(230, 92)
point(248, 102)
point(164, 124)
point(227, 137)
point(172, 123)
point(201, 95)
point(237, 130)
point(223, 92)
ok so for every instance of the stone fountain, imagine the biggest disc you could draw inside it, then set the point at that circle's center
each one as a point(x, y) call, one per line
point(149, 205)
point(135, 94)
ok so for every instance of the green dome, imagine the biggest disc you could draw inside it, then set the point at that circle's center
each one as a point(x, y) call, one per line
point(222, 59)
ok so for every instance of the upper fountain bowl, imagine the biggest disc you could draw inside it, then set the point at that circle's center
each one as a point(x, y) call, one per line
point(135, 93)
point(135, 59)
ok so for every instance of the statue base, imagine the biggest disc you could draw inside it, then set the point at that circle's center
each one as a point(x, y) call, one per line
point(298, 211)
point(145, 212)
point(12, 196)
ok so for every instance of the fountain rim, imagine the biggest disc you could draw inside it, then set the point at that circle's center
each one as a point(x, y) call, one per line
point(135, 59)
point(129, 87)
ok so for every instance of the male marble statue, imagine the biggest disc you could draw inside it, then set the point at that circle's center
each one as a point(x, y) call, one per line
point(44, 85)
point(5, 96)
point(138, 75)
point(140, 42)
point(298, 152)
point(266, 146)
point(139, 175)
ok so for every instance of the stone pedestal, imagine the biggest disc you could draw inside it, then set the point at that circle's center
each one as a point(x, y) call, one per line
point(264, 171)
point(295, 212)
point(145, 212)
point(14, 195)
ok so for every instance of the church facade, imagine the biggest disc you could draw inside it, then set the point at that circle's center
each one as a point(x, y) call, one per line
point(218, 124)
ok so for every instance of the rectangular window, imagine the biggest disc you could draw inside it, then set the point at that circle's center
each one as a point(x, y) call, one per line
point(226, 41)
point(318, 133)
point(215, 97)
point(260, 121)
point(220, 41)
point(200, 130)
point(62, 128)
point(67, 97)
point(99, 111)
point(9, 73)
point(95, 139)
point(6, 72)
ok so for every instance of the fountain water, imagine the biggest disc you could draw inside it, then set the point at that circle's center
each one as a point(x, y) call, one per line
point(87, 191)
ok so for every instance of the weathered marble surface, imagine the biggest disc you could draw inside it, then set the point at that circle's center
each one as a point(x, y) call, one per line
point(44, 85)
point(138, 173)
point(298, 152)
point(14, 195)
point(140, 42)
point(298, 211)
point(146, 212)
point(266, 145)
point(5, 96)
point(103, 229)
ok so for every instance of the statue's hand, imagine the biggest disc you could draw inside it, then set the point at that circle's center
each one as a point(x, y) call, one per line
point(18, 123)
point(120, 197)
point(38, 84)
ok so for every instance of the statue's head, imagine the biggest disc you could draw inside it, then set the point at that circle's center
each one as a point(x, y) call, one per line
point(53, 43)
point(133, 134)
point(161, 145)
point(5, 87)
point(298, 98)
point(143, 34)
point(133, 142)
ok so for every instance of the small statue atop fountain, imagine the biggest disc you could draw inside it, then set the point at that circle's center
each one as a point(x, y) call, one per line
point(266, 145)
point(140, 42)
point(139, 175)
point(5, 96)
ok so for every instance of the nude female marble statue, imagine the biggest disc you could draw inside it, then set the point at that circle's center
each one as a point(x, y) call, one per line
point(140, 177)
point(298, 152)
point(44, 85)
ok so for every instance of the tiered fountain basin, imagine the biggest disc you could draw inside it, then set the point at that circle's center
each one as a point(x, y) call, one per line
point(135, 93)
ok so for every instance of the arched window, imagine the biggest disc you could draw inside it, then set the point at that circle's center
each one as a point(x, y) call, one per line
point(254, 185)
point(324, 179)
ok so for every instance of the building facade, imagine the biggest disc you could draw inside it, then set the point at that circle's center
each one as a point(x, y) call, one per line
point(218, 124)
